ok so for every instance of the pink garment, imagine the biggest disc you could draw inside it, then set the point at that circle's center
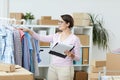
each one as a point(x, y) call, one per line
point(21, 34)
point(71, 40)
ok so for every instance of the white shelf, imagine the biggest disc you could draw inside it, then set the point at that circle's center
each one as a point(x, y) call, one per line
point(85, 46)
point(42, 26)
point(43, 65)
point(84, 65)
point(81, 65)
point(44, 46)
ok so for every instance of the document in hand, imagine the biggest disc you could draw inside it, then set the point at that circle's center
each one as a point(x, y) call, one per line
point(60, 48)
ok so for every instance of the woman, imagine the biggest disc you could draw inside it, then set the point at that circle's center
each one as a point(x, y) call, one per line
point(62, 68)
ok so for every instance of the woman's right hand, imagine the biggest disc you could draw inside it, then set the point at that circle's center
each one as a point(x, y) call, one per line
point(25, 29)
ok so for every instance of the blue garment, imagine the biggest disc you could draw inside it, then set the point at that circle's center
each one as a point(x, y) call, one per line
point(28, 53)
point(37, 50)
point(7, 54)
point(2, 42)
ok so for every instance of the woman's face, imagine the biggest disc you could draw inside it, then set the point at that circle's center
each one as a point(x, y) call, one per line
point(62, 25)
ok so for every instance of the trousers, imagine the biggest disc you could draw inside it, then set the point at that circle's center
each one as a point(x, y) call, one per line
point(60, 72)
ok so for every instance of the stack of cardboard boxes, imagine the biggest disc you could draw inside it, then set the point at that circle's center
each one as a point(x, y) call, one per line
point(17, 16)
point(96, 67)
point(47, 20)
point(81, 19)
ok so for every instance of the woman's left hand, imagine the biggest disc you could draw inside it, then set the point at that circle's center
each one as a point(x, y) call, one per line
point(69, 54)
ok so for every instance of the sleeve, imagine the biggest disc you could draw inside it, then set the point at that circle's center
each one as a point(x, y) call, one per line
point(47, 38)
point(77, 49)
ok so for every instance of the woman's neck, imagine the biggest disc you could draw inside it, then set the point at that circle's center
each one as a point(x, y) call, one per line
point(66, 32)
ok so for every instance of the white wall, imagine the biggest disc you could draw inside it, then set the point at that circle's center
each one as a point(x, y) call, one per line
point(108, 8)
point(4, 8)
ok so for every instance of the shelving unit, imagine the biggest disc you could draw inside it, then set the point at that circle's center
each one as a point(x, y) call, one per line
point(45, 56)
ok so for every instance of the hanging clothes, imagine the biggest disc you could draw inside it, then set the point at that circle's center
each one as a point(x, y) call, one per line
point(36, 56)
point(17, 47)
point(7, 54)
point(31, 58)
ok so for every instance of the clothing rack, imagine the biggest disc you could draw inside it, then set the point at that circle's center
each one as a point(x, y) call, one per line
point(10, 21)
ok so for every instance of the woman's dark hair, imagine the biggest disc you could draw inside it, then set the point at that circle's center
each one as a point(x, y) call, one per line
point(68, 19)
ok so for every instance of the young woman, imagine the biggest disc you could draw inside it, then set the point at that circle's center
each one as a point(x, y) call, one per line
point(62, 68)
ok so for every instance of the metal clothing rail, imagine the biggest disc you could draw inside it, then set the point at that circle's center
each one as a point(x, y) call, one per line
point(7, 21)
point(10, 21)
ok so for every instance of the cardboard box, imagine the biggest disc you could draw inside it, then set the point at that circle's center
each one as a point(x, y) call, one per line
point(17, 16)
point(47, 22)
point(7, 67)
point(113, 73)
point(96, 69)
point(80, 75)
point(94, 76)
point(81, 22)
point(85, 55)
point(99, 63)
point(19, 74)
point(44, 44)
point(12, 15)
point(84, 39)
point(113, 62)
point(45, 17)
point(81, 15)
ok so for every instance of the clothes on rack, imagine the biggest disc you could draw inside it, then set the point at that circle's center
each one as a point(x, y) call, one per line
point(7, 46)
point(18, 47)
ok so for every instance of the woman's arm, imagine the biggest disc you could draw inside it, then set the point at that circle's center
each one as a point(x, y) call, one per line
point(47, 38)
point(77, 49)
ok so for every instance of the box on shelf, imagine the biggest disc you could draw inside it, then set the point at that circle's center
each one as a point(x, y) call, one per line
point(17, 16)
point(19, 74)
point(84, 39)
point(7, 67)
point(12, 15)
point(81, 22)
point(81, 19)
point(85, 55)
point(81, 15)
point(46, 18)
point(44, 43)
point(47, 22)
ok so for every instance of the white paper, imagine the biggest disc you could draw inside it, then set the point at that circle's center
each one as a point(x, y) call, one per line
point(61, 48)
